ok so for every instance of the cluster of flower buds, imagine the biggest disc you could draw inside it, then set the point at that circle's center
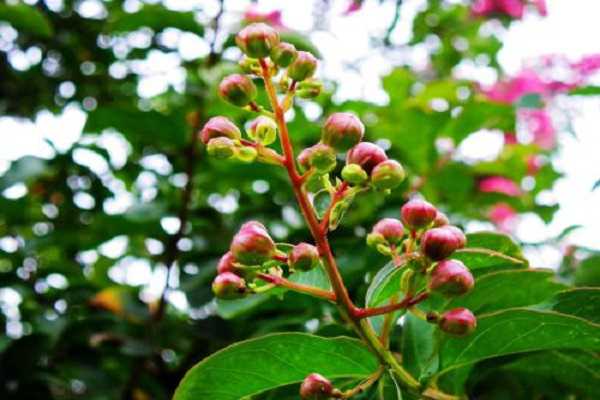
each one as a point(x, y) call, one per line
point(252, 250)
point(428, 228)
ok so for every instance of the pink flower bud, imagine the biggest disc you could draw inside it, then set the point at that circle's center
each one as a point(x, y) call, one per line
point(367, 155)
point(303, 257)
point(219, 127)
point(238, 90)
point(226, 263)
point(284, 54)
point(256, 40)
point(439, 243)
point(451, 277)
point(390, 229)
point(440, 219)
point(316, 387)
point(459, 322)
point(252, 245)
point(228, 286)
point(303, 67)
point(418, 214)
point(388, 174)
point(320, 156)
point(342, 131)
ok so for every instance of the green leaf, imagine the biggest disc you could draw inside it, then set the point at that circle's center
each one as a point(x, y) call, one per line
point(519, 330)
point(586, 91)
point(495, 241)
point(254, 366)
point(25, 18)
point(388, 388)
point(508, 289)
point(315, 277)
point(582, 302)
point(419, 352)
point(588, 272)
point(480, 115)
point(481, 261)
point(25, 169)
point(157, 18)
point(229, 309)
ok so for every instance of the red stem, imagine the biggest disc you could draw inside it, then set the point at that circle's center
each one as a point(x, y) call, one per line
point(407, 302)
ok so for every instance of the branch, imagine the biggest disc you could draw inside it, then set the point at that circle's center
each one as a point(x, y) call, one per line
point(297, 287)
point(407, 302)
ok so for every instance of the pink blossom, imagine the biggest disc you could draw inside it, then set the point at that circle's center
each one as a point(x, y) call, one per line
point(510, 138)
point(499, 184)
point(503, 216)
point(353, 6)
point(482, 8)
point(526, 82)
point(587, 65)
point(539, 123)
point(512, 8)
point(541, 6)
point(273, 18)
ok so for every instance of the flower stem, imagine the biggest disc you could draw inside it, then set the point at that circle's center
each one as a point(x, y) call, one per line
point(297, 287)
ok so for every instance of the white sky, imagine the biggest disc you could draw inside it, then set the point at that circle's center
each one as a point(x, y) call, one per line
point(571, 28)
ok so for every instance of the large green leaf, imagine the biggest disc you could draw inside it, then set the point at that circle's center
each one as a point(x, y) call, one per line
point(496, 241)
point(586, 91)
point(582, 302)
point(256, 365)
point(508, 289)
point(157, 18)
point(480, 115)
point(419, 352)
point(519, 330)
point(588, 272)
point(481, 261)
point(26, 18)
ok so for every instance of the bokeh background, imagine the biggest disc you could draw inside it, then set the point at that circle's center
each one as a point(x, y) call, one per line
point(112, 217)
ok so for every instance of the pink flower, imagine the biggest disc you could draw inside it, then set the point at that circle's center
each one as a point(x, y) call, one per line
point(353, 6)
point(587, 65)
point(503, 216)
point(510, 138)
point(499, 184)
point(273, 18)
point(539, 123)
point(541, 6)
point(512, 8)
point(482, 8)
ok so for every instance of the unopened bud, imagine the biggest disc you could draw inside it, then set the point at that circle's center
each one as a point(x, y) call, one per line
point(316, 387)
point(303, 67)
point(390, 229)
point(246, 154)
point(354, 174)
point(320, 156)
point(221, 148)
point(238, 90)
point(226, 263)
point(459, 322)
point(303, 257)
point(367, 155)
point(388, 174)
point(228, 286)
point(451, 277)
point(252, 245)
point(439, 243)
point(219, 127)
point(440, 220)
point(283, 54)
point(418, 214)
point(256, 40)
point(342, 131)
point(263, 130)
point(309, 89)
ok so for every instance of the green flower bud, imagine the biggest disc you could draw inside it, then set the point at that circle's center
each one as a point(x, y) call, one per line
point(309, 89)
point(263, 130)
point(221, 148)
point(354, 174)
point(303, 67)
point(374, 239)
point(319, 156)
point(246, 154)
point(283, 54)
point(238, 90)
point(387, 175)
point(257, 40)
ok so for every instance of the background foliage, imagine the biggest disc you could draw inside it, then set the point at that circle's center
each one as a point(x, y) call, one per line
point(86, 252)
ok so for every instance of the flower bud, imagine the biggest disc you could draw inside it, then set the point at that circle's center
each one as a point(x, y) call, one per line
point(237, 89)
point(459, 322)
point(316, 387)
point(418, 214)
point(367, 155)
point(303, 67)
point(320, 156)
point(451, 277)
point(252, 245)
point(354, 174)
point(303, 257)
point(390, 229)
point(219, 127)
point(342, 131)
point(309, 89)
point(221, 148)
point(256, 40)
point(263, 130)
point(440, 220)
point(249, 65)
point(283, 54)
point(439, 243)
point(226, 263)
point(388, 174)
point(246, 154)
point(228, 286)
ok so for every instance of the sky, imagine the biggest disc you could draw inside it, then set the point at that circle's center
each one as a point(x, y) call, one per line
point(571, 28)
